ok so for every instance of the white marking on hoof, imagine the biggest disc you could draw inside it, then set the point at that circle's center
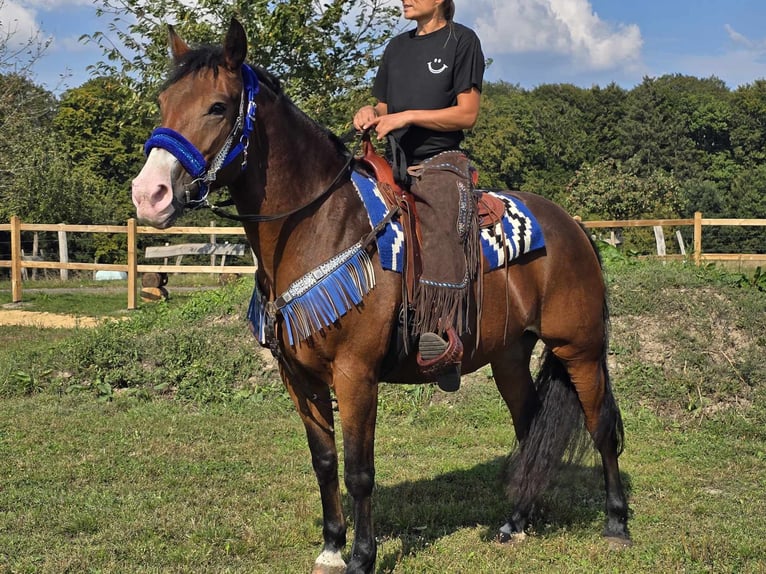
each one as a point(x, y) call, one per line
point(329, 563)
point(508, 536)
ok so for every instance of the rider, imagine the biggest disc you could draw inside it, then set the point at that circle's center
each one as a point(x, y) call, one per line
point(428, 90)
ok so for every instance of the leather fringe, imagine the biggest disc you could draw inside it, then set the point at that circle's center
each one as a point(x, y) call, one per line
point(438, 306)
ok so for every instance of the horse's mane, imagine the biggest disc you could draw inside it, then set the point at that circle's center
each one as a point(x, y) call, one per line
point(212, 57)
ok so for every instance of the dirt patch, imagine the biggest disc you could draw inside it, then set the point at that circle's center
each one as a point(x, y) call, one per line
point(46, 320)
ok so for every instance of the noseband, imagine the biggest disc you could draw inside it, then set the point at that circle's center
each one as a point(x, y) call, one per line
point(190, 157)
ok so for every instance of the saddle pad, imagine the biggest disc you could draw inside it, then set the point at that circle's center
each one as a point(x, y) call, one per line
point(514, 235)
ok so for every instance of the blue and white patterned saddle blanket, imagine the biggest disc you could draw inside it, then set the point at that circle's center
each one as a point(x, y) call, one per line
point(514, 235)
point(322, 296)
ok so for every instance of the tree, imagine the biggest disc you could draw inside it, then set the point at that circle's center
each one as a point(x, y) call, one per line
point(561, 140)
point(322, 51)
point(749, 132)
point(607, 113)
point(607, 190)
point(496, 143)
point(26, 111)
point(101, 136)
point(677, 124)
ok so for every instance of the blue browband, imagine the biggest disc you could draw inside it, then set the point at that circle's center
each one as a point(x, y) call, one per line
point(190, 157)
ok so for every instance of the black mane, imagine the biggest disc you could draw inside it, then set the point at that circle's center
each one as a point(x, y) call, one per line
point(212, 57)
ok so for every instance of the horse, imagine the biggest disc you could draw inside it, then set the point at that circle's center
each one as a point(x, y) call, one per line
point(228, 124)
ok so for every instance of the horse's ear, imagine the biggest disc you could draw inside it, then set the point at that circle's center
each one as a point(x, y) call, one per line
point(235, 45)
point(177, 46)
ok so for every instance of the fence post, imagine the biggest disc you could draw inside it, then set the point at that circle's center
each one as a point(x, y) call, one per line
point(63, 253)
point(697, 238)
point(659, 238)
point(132, 263)
point(15, 259)
point(212, 241)
point(35, 251)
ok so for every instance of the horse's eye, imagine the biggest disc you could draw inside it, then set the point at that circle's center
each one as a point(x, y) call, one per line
point(217, 109)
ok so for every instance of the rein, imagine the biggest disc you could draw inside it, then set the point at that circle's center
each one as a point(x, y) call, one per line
point(259, 218)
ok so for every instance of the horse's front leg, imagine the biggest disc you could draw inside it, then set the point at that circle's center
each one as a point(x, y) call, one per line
point(314, 405)
point(357, 394)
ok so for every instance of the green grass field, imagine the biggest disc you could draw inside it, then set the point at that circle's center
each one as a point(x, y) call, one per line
point(165, 444)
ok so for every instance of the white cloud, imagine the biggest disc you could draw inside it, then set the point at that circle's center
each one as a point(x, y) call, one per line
point(756, 46)
point(568, 28)
point(54, 4)
point(18, 23)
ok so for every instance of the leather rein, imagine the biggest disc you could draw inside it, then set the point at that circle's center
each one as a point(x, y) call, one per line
point(259, 218)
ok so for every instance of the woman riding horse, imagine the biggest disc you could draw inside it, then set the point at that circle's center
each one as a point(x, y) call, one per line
point(226, 123)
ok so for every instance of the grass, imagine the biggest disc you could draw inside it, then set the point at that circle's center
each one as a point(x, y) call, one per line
point(132, 486)
point(85, 297)
point(211, 472)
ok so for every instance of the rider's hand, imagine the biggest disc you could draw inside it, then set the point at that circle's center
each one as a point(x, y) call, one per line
point(364, 118)
point(388, 123)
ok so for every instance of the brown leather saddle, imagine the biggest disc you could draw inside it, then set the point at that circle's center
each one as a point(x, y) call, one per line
point(395, 196)
point(490, 210)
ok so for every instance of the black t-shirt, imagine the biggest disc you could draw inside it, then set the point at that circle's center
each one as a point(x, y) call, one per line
point(427, 73)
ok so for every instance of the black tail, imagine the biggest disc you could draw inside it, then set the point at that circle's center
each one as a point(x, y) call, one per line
point(557, 429)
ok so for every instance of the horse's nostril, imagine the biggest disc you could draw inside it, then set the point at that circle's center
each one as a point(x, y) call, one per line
point(159, 194)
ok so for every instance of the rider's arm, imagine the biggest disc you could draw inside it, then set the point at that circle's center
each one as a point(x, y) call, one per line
point(459, 117)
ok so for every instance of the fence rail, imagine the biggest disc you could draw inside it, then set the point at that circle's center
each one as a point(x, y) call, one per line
point(18, 263)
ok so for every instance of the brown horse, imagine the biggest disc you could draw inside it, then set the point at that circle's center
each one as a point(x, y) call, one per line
point(226, 123)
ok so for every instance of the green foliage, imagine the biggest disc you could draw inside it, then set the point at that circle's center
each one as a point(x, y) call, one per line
point(496, 143)
point(25, 111)
point(54, 168)
point(200, 350)
point(744, 280)
point(669, 147)
point(608, 191)
point(102, 134)
point(749, 131)
point(322, 52)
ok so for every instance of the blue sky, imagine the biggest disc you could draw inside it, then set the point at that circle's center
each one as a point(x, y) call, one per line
point(531, 42)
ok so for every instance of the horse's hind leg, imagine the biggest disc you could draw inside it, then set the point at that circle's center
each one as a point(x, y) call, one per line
point(316, 412)
point(604, 423)
point(514, 381)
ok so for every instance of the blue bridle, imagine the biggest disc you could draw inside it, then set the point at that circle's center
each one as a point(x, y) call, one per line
point(190, 157)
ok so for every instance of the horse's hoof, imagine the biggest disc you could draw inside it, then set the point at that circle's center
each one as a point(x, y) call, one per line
point(618, 542)
point(329, 563)
point(324, 569)
point(510, 538)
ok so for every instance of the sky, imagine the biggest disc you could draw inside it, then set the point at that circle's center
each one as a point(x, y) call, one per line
point(530, 42)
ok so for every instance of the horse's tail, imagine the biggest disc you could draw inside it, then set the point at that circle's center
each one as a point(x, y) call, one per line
point(558, 432)
point(558, 429)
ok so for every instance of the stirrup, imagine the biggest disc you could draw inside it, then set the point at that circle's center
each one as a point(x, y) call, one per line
point(439, 360)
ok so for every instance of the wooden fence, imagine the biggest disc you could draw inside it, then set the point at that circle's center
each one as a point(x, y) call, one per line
point(18, 263)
